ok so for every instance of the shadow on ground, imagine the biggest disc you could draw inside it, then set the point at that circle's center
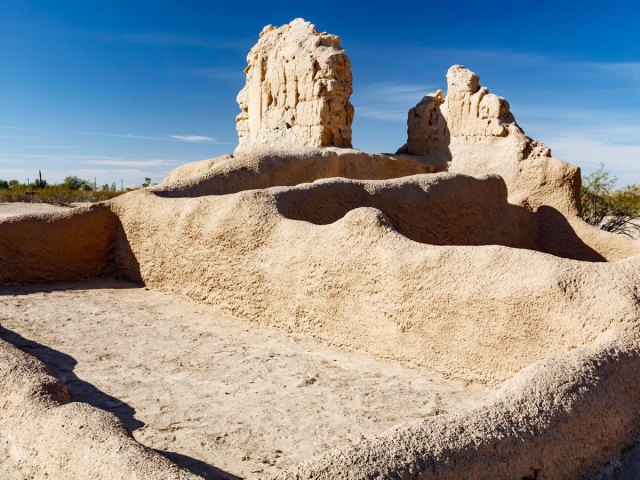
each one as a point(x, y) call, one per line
point(197, 467)
point(62, 366)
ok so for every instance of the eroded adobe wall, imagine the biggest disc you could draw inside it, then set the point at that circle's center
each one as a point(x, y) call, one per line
point(559, 419)
point(297, 90)
point(57, 246)
point(476, 131)
point(366, 282)
point(250, 170)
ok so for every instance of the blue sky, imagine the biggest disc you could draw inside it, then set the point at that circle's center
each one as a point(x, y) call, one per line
point(127, 90)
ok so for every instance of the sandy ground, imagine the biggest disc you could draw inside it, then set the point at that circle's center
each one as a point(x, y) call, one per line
point(19, 208)
point(217, 395)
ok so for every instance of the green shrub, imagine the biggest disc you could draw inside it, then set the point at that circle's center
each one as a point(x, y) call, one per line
point(609, 208)
point(56, 194)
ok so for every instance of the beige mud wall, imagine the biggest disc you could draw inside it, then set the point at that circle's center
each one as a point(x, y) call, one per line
point(557, 420)
point(57, 246)
point(567, 236)
point(480, 313)
point(258, 169)
point(477, 133)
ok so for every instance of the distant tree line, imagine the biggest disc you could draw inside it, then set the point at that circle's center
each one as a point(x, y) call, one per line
point(71, 189)
point(72, 182)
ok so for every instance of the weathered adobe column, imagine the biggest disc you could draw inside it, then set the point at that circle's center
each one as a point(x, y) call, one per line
point(297, 90)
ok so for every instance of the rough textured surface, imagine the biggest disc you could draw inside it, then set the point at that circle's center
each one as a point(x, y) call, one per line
point(259, 169)
point(475, 131)
point(484, 274)
point(246, 400)
point(263, 255)
point(297, 90)
point(403, 269)
point(555, 420)
point(43, 435)
point(65, 245)
point(21, 208)
point(547, 229)
point(475, 313)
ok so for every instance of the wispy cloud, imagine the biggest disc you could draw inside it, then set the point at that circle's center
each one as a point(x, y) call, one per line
point(105, 168)
point(424, 58)
point(388, 101)
point(620, 159)
point(494, 56)
point(589, 137)
point(194, 138)
point(391, 92)
point(381, 114)
point(92, 159)
point(135, 163)
point(625, 70)
point(48, 147)
point(21, 137)
point(130, 136)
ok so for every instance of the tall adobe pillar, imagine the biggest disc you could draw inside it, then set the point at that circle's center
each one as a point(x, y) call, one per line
point(297, 90)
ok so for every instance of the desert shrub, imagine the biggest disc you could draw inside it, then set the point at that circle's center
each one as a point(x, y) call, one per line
point(4, 184)
point(56, 194)
point(73, 182)
point(611, 209)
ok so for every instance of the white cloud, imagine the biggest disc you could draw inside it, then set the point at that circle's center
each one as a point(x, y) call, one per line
point(588, 153)
point(390, 114)
point(626, 70)
point(131, 136)
point(135, 163)
point(194, 138)
point(130, 176)
point(389, 101)
point(94, 160)
point(47, 147)
point(393, 92)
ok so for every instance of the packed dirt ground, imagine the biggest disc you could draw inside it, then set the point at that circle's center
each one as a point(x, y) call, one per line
point(246, 400)
point(20, 208)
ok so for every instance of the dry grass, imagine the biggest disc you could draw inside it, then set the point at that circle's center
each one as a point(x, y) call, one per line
point(55, 195)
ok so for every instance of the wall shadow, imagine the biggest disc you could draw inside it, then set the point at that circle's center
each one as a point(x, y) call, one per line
point(62, 367)
point(125, 263)
point(557, 237)
point(460, 210)
point(98, 283)
point(198, 467)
